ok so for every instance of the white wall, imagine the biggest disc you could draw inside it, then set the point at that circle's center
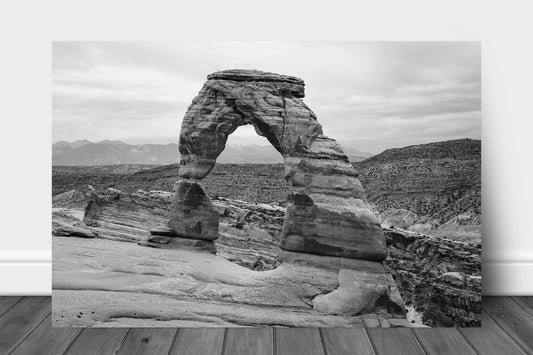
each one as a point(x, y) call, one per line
point(26, 29)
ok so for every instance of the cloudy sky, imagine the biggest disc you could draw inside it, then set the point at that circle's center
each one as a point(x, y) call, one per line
point(368, 95)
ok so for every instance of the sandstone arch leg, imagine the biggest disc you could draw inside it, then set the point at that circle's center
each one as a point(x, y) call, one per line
point(327, 213)
point(192, 214)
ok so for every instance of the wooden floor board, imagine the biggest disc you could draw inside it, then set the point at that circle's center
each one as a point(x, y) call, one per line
point(526, 302)
point(490, 339)
point(147, 341)
point(244, 341)
point(6, 302)
point(193, 341)
point(507, 328)
point(393, 341)
point(347, 341)
point(298, 341)
point(20, 320)
point(97, 341)
point(46, 340)
point(443, 341)
point(513, 319)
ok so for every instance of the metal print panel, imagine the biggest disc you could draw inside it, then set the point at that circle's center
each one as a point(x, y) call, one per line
point(295, 184)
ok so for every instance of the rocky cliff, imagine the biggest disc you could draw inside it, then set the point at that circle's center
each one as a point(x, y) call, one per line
point(439, 279)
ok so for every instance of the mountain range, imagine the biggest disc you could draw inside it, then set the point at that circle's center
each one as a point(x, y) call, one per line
point(107, 152)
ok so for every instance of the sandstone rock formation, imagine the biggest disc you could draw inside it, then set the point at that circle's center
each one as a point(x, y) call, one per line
point(250, 281)
point(326, 211)
point(105, 283)
point(248, 233)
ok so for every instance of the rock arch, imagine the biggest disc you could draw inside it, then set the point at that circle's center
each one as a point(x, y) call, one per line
point(326, 213)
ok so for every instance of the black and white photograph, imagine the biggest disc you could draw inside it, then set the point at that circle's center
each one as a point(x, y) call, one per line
point(266, 184)
point(281, 178)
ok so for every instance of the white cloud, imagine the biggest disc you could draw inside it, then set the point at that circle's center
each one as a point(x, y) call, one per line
point(370, 95)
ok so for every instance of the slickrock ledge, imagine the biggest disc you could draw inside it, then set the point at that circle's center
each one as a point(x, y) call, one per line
point(111, 281)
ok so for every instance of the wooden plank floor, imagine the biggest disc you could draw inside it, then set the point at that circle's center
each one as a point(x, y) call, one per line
point(25, 328)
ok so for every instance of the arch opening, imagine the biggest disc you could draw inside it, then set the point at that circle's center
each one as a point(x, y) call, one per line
point(326, 210)
point(245, 146)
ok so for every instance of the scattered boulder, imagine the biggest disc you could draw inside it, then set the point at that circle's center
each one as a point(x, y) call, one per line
point(66, 216)
point(173, 242)
point(164, 231)
point(70, 199)
point(404, 219)
point(73, 231)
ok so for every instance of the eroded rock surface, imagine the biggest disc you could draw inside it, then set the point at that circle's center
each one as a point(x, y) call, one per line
point(248, 233)
point(326, 213)
point(110, 280)
point(157, 287)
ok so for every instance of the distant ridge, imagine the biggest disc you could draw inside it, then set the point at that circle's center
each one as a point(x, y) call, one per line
point(422, 187)
point(114, 152)
point(107, 152)
point(464, 148)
